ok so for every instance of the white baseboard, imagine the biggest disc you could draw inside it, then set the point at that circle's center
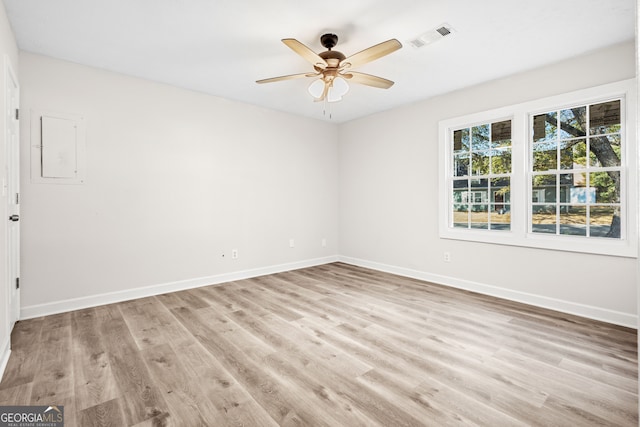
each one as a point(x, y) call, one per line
point(5, 352)
point(591, 312)
point(129, 294)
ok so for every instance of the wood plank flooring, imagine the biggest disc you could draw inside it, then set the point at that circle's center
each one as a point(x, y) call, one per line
point(333, 345)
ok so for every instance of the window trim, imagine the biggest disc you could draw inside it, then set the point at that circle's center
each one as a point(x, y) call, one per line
point(519, 114)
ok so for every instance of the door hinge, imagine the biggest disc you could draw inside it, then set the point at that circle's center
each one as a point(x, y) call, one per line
point(17, 198)
point(17, 283)
point(17, 114)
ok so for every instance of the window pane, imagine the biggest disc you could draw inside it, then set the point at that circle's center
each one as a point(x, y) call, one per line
point(604, 117)
point(461, 164)
point(573, 220)
point(604, 151)
point(460, 191)
point(500, 216)
point(479, 216)
point(500, 190)
point(480, 163)
point(460, 196)
point(544, 188)
point(479, 183)
point(480, 137)
point(501, 134)
point(460, 216)
point(573, 154)
point(545, 127)
point(461, 183)
point(501, 161)
point(571, 184)
point(606, 185)
point(461, 140)
point(572, 122)
point(544, 156)
point(576, 179)
point(543, 219)
point(582, 195)
point(604, 221)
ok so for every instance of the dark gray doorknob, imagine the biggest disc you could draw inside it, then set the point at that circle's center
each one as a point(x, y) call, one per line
point(14, 218)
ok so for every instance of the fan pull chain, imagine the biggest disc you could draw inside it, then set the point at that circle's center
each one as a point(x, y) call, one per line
point(327, 106)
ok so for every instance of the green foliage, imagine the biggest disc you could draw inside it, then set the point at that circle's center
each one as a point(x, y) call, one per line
point(606, 191)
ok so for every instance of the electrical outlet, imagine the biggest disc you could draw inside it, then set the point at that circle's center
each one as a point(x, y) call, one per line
point(292, 243)
point(234, 253)
point(324, 243)
point(447, 257)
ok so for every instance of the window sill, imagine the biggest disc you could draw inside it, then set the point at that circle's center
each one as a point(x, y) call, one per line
point(601, 246)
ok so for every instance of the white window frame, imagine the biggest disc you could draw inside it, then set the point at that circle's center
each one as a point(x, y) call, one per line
point(521, 191)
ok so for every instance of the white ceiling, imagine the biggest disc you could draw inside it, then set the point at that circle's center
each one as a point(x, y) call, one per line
point(221, 47)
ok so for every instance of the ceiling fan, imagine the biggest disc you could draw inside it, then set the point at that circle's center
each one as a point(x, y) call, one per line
point(333, 68)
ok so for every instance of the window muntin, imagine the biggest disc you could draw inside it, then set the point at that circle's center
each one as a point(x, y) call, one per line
point(480, 185)
point(576, 171)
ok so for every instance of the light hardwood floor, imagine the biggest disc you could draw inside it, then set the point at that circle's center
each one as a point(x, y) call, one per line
point(333, 345)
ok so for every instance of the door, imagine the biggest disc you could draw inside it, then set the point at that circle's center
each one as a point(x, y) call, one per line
point(12, 189)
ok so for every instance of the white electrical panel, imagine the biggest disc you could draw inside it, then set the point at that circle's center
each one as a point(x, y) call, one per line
point(57, 148)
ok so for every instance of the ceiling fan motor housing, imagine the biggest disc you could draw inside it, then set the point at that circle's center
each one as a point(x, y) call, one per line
point(332, 57)
point(329, 40)
point(332, 54)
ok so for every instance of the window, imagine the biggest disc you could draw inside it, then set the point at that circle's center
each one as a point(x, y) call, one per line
point(481, 176)
point(554, 173)
point(576, 166)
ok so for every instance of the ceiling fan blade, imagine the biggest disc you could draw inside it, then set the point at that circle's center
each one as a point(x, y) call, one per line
point(371, 54)
point(289, 77)
point(305, 52)
point(368, 79)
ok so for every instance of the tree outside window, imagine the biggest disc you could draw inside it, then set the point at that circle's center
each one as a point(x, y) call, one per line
point(576, 158)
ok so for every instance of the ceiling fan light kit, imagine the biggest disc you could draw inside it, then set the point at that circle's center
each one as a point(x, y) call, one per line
point(333, 68)
point(337, 89)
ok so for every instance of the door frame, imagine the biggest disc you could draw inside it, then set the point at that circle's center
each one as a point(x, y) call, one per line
point(12, 166)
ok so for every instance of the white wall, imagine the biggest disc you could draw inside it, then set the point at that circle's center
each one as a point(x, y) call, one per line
point(389, 200)
point(174, 180)
point(8, 51)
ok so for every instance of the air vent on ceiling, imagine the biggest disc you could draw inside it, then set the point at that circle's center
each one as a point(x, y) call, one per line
point(443, 31)
point(432, 36)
